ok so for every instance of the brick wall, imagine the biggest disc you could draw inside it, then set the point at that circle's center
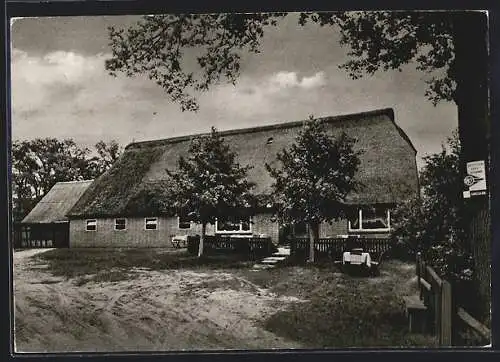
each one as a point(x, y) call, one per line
point(135, 234)
point(264, 224)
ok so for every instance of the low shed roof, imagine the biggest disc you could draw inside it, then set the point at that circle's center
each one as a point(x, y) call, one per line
point(53, 207)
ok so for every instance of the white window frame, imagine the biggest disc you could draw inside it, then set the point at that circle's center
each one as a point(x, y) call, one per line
point(360, 229)
point(87, 224)
point(179, 224)
point(240, 231)
point(121, 218)
point(157, 223)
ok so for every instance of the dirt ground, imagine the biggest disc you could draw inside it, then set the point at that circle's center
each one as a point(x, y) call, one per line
point(155, 311)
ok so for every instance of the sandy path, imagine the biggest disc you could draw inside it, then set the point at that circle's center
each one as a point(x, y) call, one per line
point(157, 310)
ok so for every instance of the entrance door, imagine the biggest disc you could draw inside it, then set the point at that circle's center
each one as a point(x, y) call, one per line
point(61, 235)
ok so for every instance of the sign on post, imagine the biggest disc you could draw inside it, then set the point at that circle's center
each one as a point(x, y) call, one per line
point(475, 180)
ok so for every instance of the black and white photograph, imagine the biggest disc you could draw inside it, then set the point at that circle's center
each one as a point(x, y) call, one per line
point(250, 181)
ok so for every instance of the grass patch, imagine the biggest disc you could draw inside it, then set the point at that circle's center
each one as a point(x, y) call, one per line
point(343, 311)
point(114, 264)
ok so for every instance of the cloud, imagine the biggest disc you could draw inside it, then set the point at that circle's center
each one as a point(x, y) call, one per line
point(40, 82)
point(287, 79)
point(265, 94)
point(316, 80)
point(56, 67)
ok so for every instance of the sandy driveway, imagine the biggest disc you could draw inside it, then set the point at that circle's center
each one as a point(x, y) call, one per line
point(157, 310)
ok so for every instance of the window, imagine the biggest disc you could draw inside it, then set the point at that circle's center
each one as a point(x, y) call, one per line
point(91, 225)
point(231, 225)
point(184, 222)
point(120, 224)
point(371, 219)
point(151, 223)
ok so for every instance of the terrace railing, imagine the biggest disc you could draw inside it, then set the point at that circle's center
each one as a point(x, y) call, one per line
point(332, 248)
point(253, 247)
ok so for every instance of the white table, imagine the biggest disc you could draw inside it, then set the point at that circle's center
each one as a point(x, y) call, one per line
point(356, 258)
point(179, 241)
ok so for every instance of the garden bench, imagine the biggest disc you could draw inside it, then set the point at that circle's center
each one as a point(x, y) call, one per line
point(415, 311)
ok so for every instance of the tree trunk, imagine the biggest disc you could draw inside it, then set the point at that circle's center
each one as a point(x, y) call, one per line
point(471, 74)
point(202, 238)
point(313, 238)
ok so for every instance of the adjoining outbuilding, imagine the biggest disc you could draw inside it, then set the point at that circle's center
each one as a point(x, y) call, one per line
point(125, 207)
point(47, 224)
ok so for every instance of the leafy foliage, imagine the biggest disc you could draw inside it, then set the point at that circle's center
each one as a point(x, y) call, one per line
point(316, 174)
point(387, 40)
point(159, 46)
point(434, 223)
point(39, 164)
point(314, 178)
point(108, 154)
point(209, 182)
point(156, 47)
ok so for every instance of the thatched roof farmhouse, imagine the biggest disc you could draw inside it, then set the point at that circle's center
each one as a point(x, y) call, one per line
point(388, 171)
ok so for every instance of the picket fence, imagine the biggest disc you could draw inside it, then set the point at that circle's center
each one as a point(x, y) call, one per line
point(252, 247)
point(332, 248)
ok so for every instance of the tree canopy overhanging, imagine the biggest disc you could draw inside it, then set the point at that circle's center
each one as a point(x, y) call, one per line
point(382, 40)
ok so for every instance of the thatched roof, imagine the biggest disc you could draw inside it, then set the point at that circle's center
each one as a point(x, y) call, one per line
point(54, 205)
point(388, 167)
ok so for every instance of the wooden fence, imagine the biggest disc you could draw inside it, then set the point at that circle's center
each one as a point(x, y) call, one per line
point(444, 317)
point(332, 248)
point(253, 247)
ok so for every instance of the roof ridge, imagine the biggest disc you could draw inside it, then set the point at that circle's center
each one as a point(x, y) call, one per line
point(73, 182)
point(290, 124)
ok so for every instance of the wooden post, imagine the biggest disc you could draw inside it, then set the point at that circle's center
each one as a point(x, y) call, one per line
point(419, 256)
point(446, 314)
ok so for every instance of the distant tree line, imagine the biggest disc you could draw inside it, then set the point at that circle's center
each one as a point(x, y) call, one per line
point(39, 164)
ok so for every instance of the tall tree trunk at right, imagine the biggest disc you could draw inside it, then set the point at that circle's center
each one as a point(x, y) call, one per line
point(471, 73)
point(202, 238)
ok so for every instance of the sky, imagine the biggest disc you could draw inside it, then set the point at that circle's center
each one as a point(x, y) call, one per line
point(60, 88)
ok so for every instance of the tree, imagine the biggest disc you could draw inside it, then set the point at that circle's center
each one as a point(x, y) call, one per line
point(434, 223)
point(314, 177)
point(157, 46)
point(210, 184)
point(451, 47)
point(438, 214)
point(39, 164)
point(108, 153)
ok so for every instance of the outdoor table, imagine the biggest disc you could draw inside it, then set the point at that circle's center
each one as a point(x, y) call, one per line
point(179, 241)
point(356, 258)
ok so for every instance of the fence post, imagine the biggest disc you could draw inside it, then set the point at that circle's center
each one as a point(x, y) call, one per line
point(446, 314)
point(418, 260)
